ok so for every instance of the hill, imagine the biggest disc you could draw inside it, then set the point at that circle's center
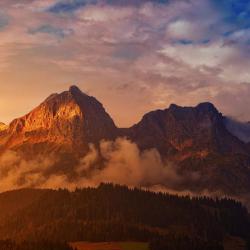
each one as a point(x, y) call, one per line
point(117, 213)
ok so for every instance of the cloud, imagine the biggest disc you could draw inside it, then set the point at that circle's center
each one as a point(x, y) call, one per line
point(16, 172)
point(51, 30)
point(180, 29)
point(106, 14)
point(198, 55)
point(189, 30)
point(238, 128)
point(123, 163)
point(126, 164)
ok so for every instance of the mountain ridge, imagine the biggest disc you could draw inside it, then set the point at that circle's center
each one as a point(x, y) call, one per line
point(195, 140)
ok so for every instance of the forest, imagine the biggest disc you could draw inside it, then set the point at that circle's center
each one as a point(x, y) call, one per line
point(118, 213)
point(39, 245)
point(181, 243)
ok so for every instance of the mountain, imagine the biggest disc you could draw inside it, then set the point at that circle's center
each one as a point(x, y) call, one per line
point(196, 131)
point(207, 154)
point(63, 123)
point(197, 141)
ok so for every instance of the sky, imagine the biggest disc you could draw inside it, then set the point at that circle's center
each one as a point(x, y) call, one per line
point(134, 56)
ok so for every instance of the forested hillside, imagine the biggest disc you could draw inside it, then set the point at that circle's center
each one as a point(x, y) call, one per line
point(111, 212)
point(40, 245)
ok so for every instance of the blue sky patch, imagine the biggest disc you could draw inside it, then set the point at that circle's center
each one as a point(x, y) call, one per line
point(69, 5)
point(4, 20)
point(64, 6)
point(235, 12)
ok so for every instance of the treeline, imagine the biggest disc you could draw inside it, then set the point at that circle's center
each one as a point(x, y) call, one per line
point(41, 245)
point(114, 213)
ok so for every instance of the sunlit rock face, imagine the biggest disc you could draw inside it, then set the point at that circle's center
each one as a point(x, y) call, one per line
point(63, 122)
point(3, 126)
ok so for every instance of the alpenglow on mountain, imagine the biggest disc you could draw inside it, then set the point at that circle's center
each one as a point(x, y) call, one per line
point(196, 141)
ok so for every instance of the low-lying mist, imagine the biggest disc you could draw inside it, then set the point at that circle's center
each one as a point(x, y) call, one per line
point(123, 163)
point(238, 129)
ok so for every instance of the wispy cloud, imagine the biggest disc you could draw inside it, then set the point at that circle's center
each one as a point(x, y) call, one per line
point(124, 163)
point(51, 30)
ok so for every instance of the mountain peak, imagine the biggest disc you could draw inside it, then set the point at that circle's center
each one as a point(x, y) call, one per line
point(75, 90)
point(207, 106)
point(204, 107)
point(173, 106)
